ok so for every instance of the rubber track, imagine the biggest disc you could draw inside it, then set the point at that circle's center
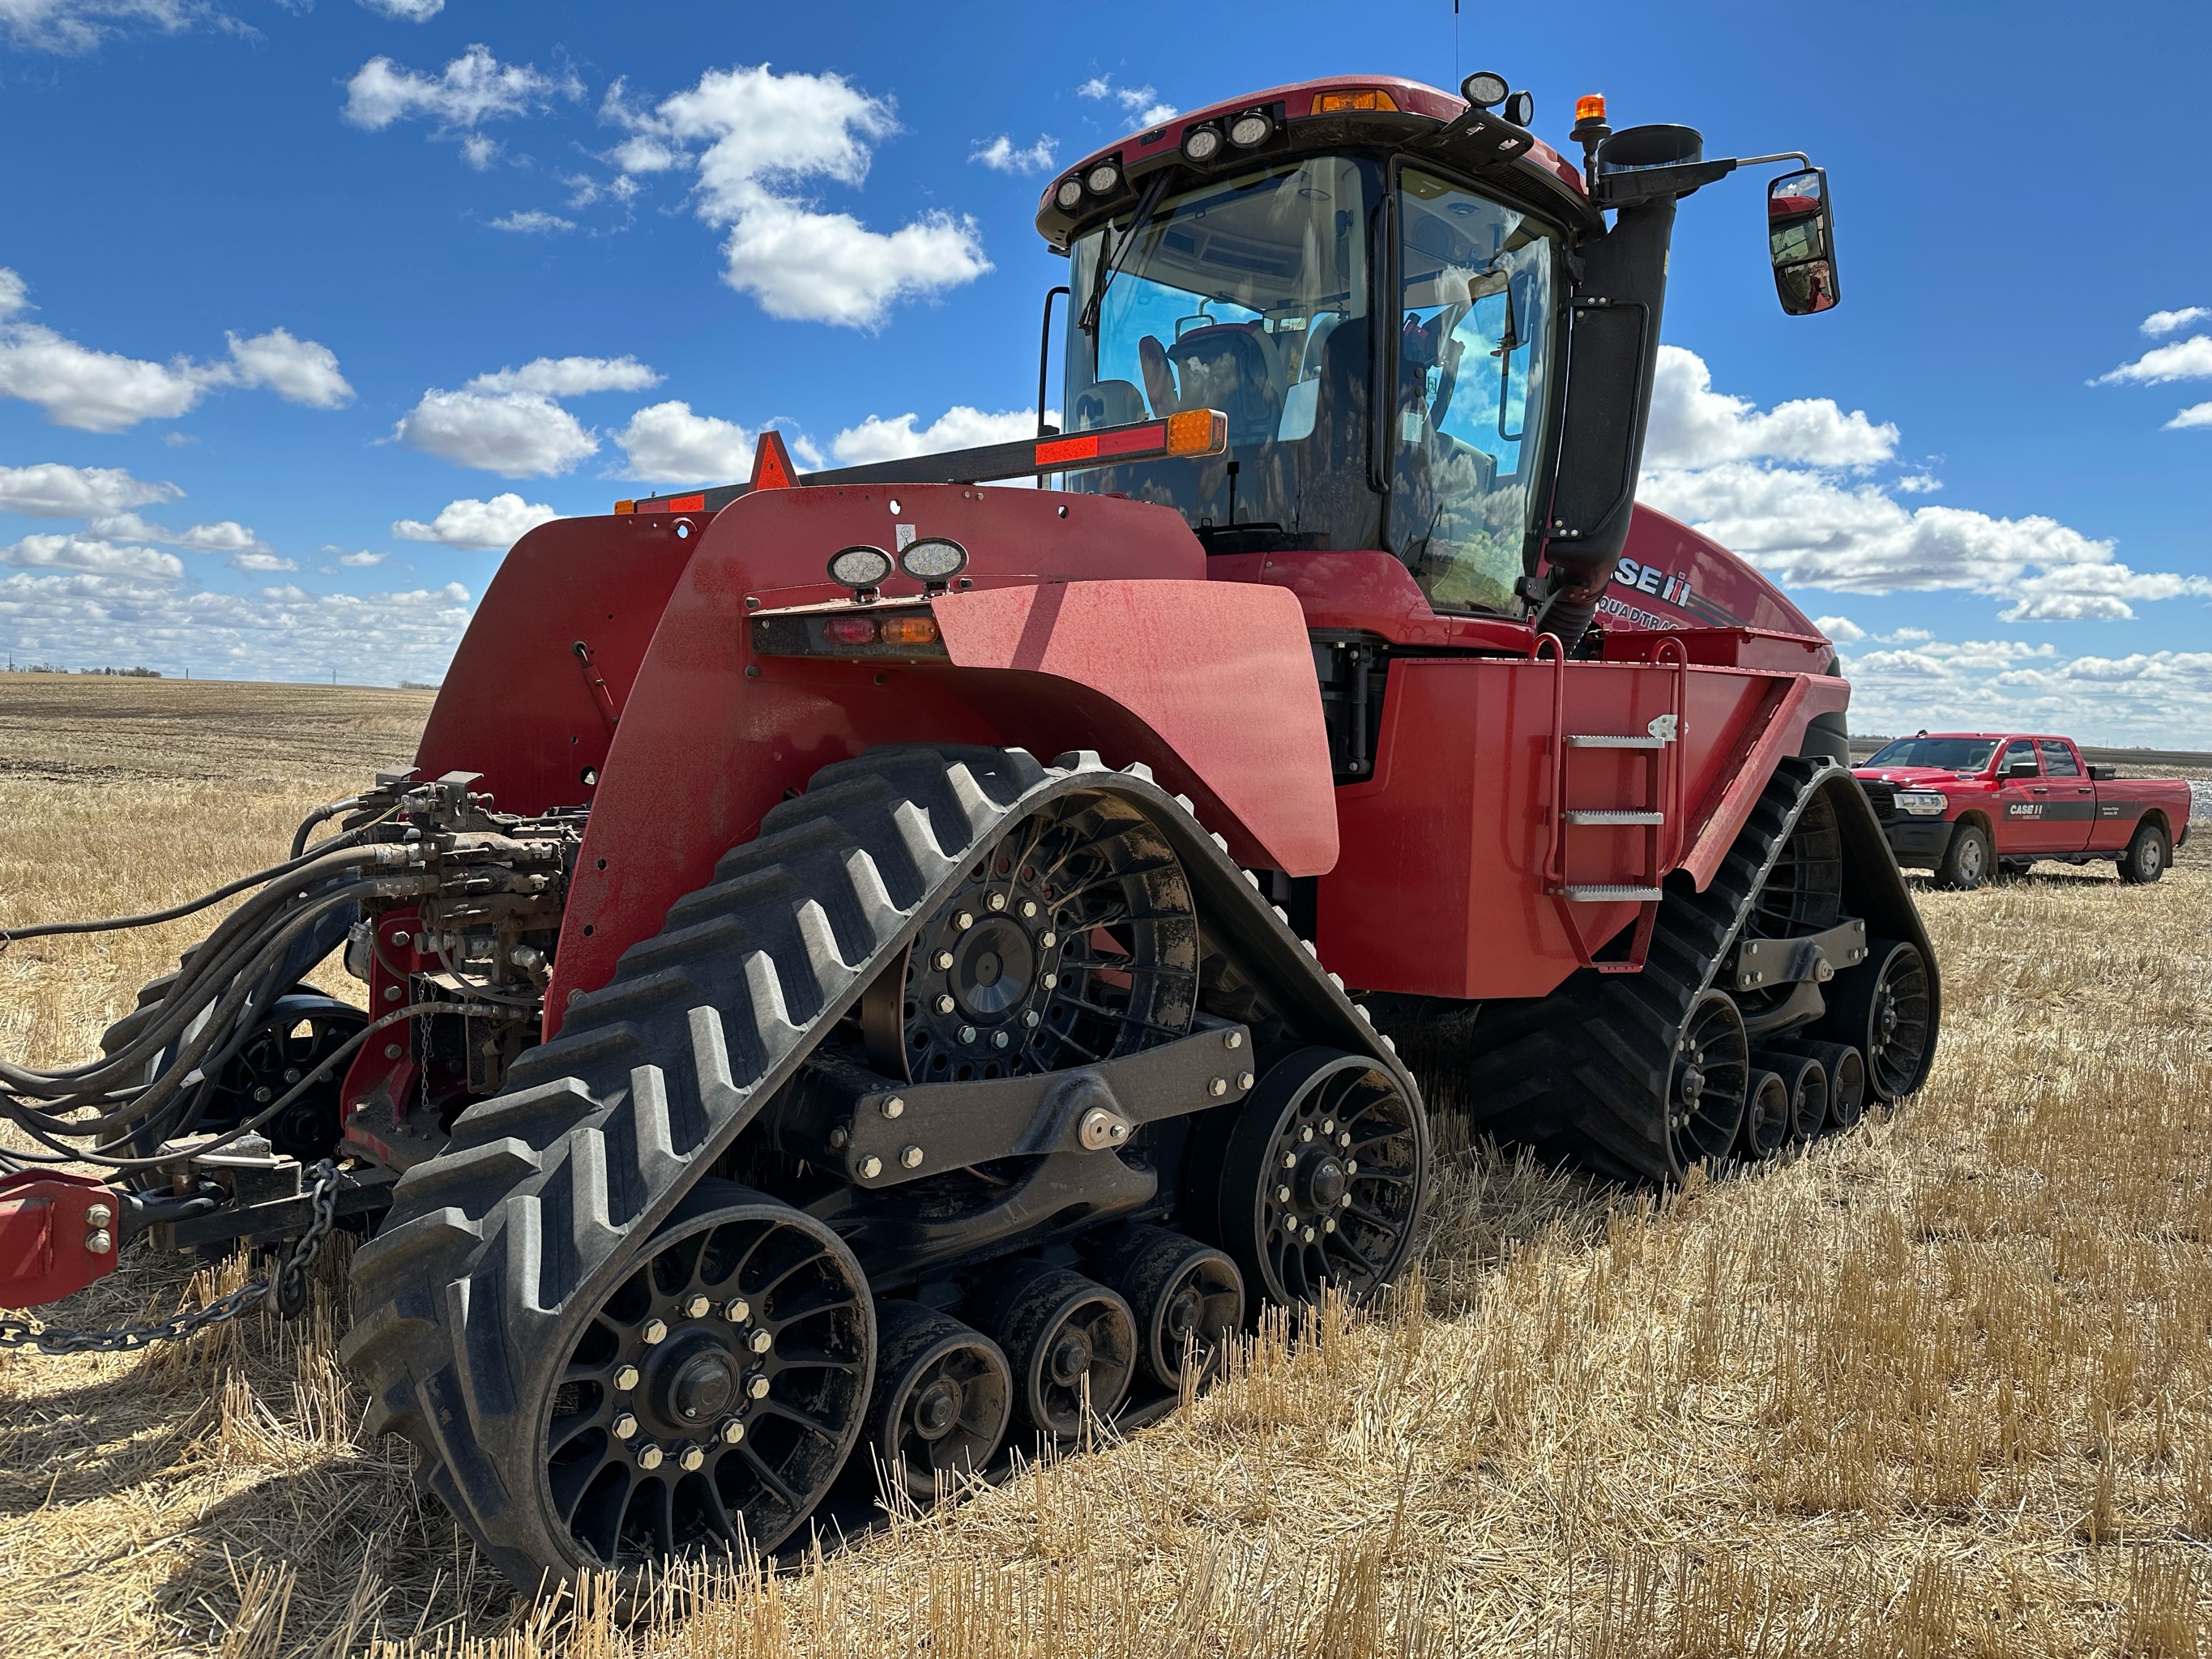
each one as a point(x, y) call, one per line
point(1581, 1073)
point(494, 1251)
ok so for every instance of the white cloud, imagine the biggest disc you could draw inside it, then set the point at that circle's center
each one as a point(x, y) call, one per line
point(224, 536)
point(507, 423)
point(67, 552)
point(999, 154)
point(568, 376)
point(2185, 359)
point(668, 442)
point(105, 392)
point(2157, 698)
point(2195, 415)
point(1142, 104)
point(260, 562)
point(50, 489)
point(356, 561)
point(2165, 322)
point(1815, 525)
point(480, 150)
point(1918, 483)
point(535, 221)
point(474, 526)
point(1842, 630)
point(878, 438)
point(298, 371)
point(760, 134)
point(96, 618)
point(407, 11)
point(473, 89)
point(80, 25)
point(1694, 426)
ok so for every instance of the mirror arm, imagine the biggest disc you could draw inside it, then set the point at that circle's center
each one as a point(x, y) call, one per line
point(1044, 354)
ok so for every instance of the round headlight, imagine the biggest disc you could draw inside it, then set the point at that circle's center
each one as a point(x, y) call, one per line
point(1484, 89)
point(1202, 143)
point(1069, 193)
point(1101, 178)
point(1251, 128)
point(860, 566)
point(934, 559)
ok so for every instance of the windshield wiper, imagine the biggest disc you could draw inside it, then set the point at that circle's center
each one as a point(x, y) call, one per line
point(1154, 189)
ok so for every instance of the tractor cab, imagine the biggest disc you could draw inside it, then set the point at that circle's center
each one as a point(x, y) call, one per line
point(1380, 285)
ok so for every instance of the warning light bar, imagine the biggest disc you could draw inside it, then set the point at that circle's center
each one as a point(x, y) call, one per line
point(1189, 435)
point(1335, 103)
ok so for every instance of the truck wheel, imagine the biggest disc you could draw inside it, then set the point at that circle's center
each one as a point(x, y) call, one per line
point(1965, 863)
point(2147, 856)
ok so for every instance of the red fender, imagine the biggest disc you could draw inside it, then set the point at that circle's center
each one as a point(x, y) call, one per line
point(1091, 625)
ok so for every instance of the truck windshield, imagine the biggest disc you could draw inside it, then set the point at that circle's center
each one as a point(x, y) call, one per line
point(1946, 754)
point(1250, 297)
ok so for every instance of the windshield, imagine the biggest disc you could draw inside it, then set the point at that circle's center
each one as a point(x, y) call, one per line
point(1948, 754)
point(1250, 297)
point(1474, 352)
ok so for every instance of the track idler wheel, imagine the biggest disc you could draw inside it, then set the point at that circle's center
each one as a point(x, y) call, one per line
point(1768, 1118)
point(1188, 1297)
point(1807, 1080)
point(1709, 1086)
point(1322, 1178)
point(943, 1397)
point(1845, 1068)
point(1072, 1343)
point(1883, 1007)
point(718, 1389)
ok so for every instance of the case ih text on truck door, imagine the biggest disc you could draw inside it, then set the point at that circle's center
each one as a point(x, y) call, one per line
point(1964, 804)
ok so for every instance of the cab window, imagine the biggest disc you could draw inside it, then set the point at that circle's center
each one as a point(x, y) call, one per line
point(2058, 759)
point(2021, 750)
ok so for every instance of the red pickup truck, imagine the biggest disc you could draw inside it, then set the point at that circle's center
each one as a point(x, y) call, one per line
point(1968, 804)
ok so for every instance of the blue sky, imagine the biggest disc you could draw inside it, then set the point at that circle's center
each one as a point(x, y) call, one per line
point(317, 306)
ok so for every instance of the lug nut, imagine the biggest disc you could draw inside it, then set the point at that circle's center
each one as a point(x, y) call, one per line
point(100, 1241)
point(624, 1425)
point(761, 1341)
point(696, 1304)
point(1217, 1087)
point(689, 1458)
point(944, 1003)
point(1328, 1126)
point(999, 1039)
point(625, 1378)
point(656, 1330)
point(1329, 1225)
point(1308, 1235)
point(871, 1167)
point(737, 1311)
point(1305, 1133)
point(996, 901)
point(98, 1215)
point(1050, 979)
point(1290, 1160)
point(894, 1106)
point(967, 1034)
point(1028, 909)
point(1282, 1195)
point(757, 1387)
point(1344, 1137)
point(1344, 1203)
point(648, 1457)
point(1029, 1018)
point(731, 1431)
point(1350, 1166)
point(941, 961)
point(1233, 1040)
point(1049, 939)
point(263, 1095)
point(910, 1156)
point(963, 920)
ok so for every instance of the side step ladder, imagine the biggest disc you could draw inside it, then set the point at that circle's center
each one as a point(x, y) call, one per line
point(1659, 815)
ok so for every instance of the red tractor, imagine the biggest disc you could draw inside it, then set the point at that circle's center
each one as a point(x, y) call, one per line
point(870, 962)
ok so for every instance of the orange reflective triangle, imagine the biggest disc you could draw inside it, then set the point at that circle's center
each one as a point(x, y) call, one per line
point(772, 462)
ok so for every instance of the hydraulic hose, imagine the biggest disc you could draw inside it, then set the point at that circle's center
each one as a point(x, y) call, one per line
point(321, 814)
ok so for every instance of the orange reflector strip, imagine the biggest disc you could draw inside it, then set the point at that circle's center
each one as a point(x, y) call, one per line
point(1198, 432)
point(1327, 103)
point(625, 506)
point(909, 630)
point(682, 504)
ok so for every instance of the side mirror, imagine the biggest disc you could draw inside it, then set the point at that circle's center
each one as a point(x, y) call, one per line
point(1801, 240)
point(2022, 769)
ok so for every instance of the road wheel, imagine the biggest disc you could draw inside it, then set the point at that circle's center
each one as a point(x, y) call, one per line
point(1966, 862)
point(2147, 856)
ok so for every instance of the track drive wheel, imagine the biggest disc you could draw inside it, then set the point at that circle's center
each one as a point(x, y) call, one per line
point(942, 1399)
point(716, 1391)
point(1883, 1008)
point(1323, 1178)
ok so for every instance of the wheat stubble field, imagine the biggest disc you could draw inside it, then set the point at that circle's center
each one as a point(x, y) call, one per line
point(1940, 1386)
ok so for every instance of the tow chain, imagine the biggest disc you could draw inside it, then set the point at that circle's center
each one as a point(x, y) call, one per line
point(287, 1288)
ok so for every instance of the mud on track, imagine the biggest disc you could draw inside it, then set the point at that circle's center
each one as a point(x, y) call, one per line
point(1944, 1385)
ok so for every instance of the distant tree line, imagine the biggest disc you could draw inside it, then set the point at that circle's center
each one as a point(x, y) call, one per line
point(55, 668)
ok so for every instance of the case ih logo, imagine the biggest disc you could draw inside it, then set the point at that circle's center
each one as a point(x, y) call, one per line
point(1673, 586)
point(2024, 809)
